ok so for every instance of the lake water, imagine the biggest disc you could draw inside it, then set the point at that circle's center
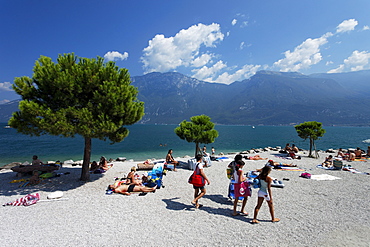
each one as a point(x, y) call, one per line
point(153, 141)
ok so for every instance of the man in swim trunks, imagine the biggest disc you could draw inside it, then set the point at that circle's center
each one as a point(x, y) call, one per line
point(127, 189)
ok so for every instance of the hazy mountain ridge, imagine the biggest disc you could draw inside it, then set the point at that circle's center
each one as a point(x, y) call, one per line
point(268, 97)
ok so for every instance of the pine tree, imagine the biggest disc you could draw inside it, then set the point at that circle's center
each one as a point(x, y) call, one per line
point(77, 96)
point(310, 130)
point(199, 130)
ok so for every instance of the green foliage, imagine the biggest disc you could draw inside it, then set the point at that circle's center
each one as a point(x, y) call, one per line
point(310, 130)
point(77, 96)
point(199, 130)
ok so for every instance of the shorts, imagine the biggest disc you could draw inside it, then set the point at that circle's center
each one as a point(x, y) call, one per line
point(264, 195)
point(201, 188)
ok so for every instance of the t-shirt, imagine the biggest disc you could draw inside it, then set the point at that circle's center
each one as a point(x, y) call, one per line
point(198, 167)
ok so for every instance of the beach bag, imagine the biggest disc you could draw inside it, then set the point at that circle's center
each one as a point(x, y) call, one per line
point(242, 189)
point(256, 183)
point(229, 173)
point(196, 179)
point(305, 175)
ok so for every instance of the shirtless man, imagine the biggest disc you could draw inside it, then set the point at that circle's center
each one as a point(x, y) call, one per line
point(126, 189)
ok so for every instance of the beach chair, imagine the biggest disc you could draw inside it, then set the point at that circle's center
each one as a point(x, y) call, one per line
point(337, 164)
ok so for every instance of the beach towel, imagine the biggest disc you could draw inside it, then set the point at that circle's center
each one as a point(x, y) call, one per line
point(353, 170)
point(326, 168)
point(27, 200)
point(287, 168)
point(324, 177)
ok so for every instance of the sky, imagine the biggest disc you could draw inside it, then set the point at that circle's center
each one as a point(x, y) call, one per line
point(216, 41)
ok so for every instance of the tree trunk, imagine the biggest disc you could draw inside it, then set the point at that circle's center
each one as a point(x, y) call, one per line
point(196, 148)
point(310, 153)
point(85, 172)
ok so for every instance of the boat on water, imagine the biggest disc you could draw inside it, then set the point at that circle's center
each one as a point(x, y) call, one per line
point(7, 127)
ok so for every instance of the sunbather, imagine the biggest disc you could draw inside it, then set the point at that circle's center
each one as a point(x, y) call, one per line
point(358, 153)
point(126, 189)
point(171, 160)
point(36, 161)
point(256, 157)
point(133, 178)
point(328, 161)
point(279, 165)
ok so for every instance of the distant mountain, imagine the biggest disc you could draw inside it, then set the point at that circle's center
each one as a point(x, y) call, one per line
point(7, 109)
point(268, 98)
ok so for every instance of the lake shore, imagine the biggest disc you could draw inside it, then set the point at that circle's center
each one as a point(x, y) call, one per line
point(312, 212)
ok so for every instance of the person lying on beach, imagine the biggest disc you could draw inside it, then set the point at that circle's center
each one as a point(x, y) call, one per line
point(328, 161)
point(278, 165)
point(127, 189)
point(171, 160)
point(256, 157)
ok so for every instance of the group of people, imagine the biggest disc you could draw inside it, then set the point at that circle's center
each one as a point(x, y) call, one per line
point(264, 192)
point(131, 183)
point(100, 167)
point(292, 151)
point(351, 155)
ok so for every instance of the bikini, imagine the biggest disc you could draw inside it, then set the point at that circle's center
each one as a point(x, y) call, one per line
point(131, 188)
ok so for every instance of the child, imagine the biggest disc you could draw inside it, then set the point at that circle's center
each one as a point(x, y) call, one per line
point(238, 177)
point(265, 193)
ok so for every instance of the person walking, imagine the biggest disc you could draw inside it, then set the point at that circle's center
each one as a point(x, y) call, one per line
point(239, 178)
point(265, 193)
point(199, 192)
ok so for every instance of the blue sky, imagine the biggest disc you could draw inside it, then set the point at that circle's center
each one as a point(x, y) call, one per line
point(213, 40)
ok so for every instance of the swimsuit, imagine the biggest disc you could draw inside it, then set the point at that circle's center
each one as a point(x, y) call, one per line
point(130, 188)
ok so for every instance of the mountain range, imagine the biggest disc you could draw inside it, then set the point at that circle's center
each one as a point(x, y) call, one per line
point(267, 98)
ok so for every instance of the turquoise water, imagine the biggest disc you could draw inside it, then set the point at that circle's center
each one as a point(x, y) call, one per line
point(153, 141)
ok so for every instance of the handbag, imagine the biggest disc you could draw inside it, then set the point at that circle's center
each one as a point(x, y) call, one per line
point(196, 179)
point(242, 189)
point(229, 173)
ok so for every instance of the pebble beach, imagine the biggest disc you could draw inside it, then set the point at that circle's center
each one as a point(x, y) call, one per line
point(312, 212)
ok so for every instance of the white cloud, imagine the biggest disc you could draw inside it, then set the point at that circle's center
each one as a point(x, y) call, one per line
point(357, 61)
point(6, 86)
point(164, 54)
point(242, 45)
point(4, 101)
point(234, 22)
point(304, 55)
point(366, 28)
point(201, 60)
point(337, 70)
point(347, 25)
point(245, 72)
point(207, 73)
point(115, 55)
